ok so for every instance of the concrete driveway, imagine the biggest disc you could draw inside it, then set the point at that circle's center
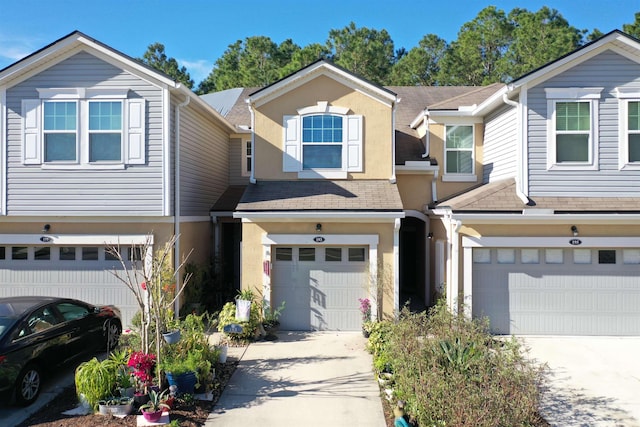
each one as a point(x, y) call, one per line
point(303, 379)
point(592, 381)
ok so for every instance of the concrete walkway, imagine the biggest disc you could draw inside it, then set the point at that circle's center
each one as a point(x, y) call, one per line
point(591, 381)
point(303, 379)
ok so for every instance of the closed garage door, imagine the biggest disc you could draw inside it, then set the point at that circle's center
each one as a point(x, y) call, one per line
point(558, 291)
point(82, 272)
point(320, 285)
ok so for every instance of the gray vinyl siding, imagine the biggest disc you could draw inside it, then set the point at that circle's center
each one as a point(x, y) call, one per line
point(608, 70)
point(135, 190)
point(500, 145)
point(204, 159)
point(236, 157)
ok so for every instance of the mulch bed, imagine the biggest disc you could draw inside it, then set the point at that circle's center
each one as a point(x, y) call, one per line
point(188, 415)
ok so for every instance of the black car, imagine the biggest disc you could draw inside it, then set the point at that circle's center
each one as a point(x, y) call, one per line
point(38, 334)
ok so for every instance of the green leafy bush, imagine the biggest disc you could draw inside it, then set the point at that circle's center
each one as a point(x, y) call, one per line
point(450, 371)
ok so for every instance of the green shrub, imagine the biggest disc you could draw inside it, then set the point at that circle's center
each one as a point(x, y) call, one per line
point(227, 316)
point(450, 371)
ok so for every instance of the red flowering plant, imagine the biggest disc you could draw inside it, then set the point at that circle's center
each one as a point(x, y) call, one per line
point(365, 309)
point(142, 365)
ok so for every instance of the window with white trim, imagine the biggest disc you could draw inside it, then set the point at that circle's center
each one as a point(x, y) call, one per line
point(78, 127)
point(572, 130)
point(629, 128)
point(247, 155)
point(322, 142)
point(459, 150)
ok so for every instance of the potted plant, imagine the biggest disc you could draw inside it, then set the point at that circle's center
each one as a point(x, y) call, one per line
point(95, 380)
point(184, 372)
point(152, 410)
point(172, 329)
point(116, 406)
point(271, 317)
point(243, 305)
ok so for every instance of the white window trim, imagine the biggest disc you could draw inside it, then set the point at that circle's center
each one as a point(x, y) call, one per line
point(459, 177)
point(132, 129)
point(573, 94)
point(625, 95)
point(244, 157)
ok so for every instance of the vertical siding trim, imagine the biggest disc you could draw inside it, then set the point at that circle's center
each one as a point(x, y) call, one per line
point(523, 147)
point(166, 148)
point(3, 148)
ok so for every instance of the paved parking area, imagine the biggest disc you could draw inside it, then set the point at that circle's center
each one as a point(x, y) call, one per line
point(592, 381)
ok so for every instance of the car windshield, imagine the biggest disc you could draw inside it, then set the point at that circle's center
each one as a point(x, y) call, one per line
point(5, 325)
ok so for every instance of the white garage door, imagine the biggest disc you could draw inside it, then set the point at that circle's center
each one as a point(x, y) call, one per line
point(558, 291)
point(80, 272)
point(320, 285)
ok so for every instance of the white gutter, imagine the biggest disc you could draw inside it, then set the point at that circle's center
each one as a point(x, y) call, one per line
point(252, 178)
point(520, 191)
point(427, 137)
point(393, 142)
point(177, 201)
point(557, 218)
point(366, 216)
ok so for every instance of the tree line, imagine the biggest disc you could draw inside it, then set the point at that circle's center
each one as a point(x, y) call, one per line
point(493, 47)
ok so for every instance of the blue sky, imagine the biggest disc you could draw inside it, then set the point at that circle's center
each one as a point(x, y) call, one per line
point(198, 32)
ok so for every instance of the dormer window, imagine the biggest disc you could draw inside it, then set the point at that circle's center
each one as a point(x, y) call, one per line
point(322, 141)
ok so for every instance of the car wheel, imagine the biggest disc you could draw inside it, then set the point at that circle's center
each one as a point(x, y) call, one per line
point(28, 385)
point(112, 331)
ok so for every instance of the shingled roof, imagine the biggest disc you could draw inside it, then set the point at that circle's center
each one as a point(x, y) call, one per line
point(501, 196)
point(321, 195)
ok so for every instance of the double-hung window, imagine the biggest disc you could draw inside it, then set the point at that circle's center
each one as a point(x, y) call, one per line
point(572, 131)
point(60, 131)
point(81, 127)
point(247, 155)
point(322, 141)
point(105, 131)
point(629, 128)
point(459, 157)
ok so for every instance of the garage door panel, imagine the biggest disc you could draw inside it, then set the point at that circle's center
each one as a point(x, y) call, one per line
point(562, 299)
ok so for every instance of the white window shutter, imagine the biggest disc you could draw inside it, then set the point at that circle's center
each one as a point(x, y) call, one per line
point(31, 145)
point(291, 153)
point(135, 138)
point(354, 143)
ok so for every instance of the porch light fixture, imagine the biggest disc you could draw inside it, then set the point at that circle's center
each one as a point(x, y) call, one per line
point(430, 235)
point(318, 228)
point(574, 230)
point(46, 228)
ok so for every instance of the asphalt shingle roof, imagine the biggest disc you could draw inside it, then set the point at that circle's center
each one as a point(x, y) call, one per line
point(228, 201)
point(501, 196)
point(320, 195)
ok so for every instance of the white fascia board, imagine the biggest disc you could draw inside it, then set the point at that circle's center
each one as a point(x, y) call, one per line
point(572, 60)
point(75, 239)
point(322, 69)
point(88, 219)
point(491, 103)
point(416, 168)
point(314, 215)
point(518, 218)
point(419, 118)
point(550, 242)
point(328, 239)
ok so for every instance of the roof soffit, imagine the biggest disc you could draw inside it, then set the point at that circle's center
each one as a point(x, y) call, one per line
point(322, 69)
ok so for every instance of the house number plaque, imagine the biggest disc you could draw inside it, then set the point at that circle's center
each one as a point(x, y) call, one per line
point(575, 242)
point(318, 239)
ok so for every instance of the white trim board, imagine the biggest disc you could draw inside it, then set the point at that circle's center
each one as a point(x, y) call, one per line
point(550, 242)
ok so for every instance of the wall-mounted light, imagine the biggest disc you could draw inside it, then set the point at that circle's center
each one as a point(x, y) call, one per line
point(318, 228)
point(46, 228)
point(574, 230)
point(430, 235)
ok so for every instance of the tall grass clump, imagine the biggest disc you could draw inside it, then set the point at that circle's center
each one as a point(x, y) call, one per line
point(450, 371)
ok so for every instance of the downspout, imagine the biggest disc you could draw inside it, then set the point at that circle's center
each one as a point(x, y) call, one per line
point(176, 203)
point(396, 266)
point(519, 147)
point(427, 152)
point(393, 142)
point(455, 266)
point(252, 177)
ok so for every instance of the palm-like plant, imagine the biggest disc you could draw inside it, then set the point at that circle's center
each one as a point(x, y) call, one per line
point(155, 402)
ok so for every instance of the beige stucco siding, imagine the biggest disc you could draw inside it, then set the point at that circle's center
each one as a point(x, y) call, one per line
point(377, 127)
point(415, 190)
point(252, 248)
